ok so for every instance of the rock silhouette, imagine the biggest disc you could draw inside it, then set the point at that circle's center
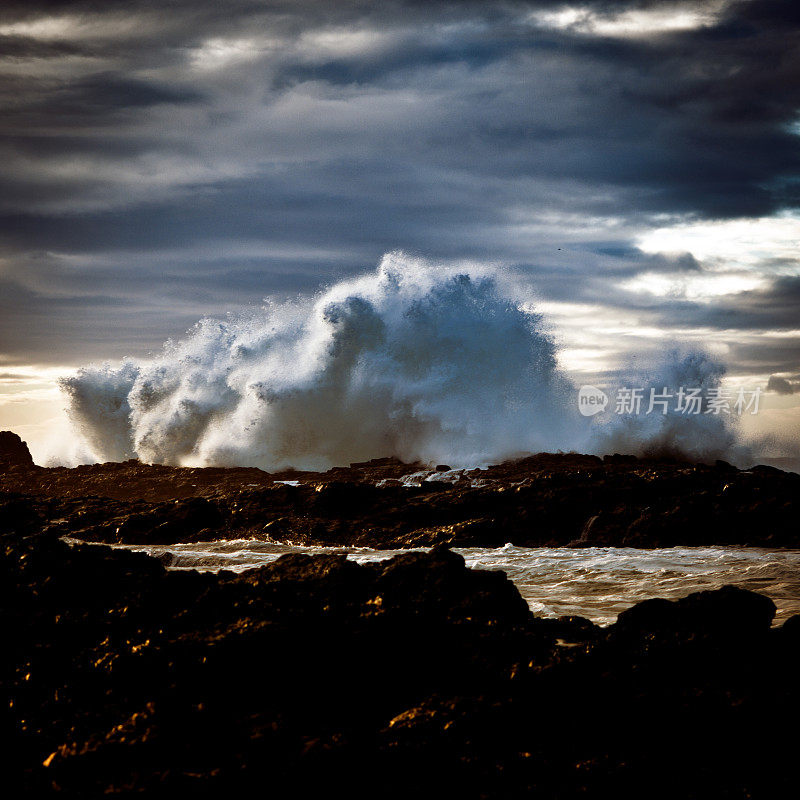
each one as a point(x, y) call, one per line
point(13, 451)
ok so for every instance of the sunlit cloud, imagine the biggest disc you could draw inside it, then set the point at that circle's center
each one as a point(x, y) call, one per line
point(45, 27)
point(343, 42)
point(692, 287)
point(115, 24)
point(633, 22)
point(220, 53)
point(766, 243)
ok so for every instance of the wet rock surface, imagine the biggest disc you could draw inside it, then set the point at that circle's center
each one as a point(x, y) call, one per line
point(541, 500)
point(415, 677)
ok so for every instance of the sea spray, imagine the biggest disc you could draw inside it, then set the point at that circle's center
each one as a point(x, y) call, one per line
point(670, 429)
point(413, 360)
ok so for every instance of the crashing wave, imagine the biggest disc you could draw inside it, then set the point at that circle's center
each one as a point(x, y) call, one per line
point(416, 361)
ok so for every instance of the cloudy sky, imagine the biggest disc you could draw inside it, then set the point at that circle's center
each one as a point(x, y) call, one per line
point(636, 163)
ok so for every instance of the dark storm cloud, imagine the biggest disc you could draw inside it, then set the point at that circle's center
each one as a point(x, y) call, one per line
point(779, 385)
point(776, 307)
point(214, 153)
point(25, 47)
point(762, 357)
point(687, 122)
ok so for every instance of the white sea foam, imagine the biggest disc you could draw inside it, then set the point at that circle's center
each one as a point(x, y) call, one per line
point(413, 360)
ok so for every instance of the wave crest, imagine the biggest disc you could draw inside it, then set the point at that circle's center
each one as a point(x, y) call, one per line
point(413, 360)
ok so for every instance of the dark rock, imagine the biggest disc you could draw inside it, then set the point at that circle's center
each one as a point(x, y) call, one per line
point(541, 500)
point(792, 627)
point(13, 451)
point(570, 629)
point(726, 611)
point(438, 583)
point(617, 458)
point(18, 514)
point(413, 677)
point(765, 469)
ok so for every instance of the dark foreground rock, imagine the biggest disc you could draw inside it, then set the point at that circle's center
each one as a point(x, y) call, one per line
point(541, 500)
point(415, 677)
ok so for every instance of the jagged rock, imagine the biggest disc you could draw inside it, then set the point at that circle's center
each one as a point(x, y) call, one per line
point(13, 451)
point(542, 500)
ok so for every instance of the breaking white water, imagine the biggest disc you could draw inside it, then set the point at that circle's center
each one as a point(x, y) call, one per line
point(594, 582)
point(414, 360)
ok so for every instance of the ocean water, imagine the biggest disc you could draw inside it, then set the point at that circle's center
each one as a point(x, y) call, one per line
point(595, 582)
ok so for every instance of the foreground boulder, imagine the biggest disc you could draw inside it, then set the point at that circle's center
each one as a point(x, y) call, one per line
point(413, 677)
point(726, 612)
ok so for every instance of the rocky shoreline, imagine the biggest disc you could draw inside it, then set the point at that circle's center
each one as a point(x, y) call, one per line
point(411, 677)
point(540, 500)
